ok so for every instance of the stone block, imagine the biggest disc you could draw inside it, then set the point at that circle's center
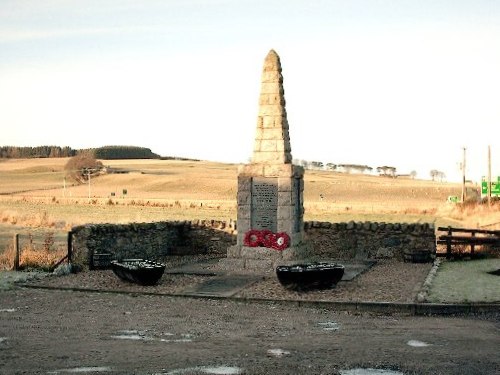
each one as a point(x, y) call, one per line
point(278, 170)
point(268, 122)
point(284, 184)
point(286, 226)
point(259, 253)
point(244, 184)
point(271, 110)
point(243, 197)
point(271, 88)
point(275, 134)
point(259, 264)
point(299, 252)
point(285, 212)
point(275, 99)
point(250, 170)
point(283, 146)
point(234, 251)
point(284, 198)
point(232, 263)
point(384, 253)
point(271, 76)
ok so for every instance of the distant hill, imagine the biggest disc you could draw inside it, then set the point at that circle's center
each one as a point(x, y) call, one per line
point(122, 152)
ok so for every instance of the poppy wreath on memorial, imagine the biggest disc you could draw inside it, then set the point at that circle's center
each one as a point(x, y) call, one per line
point(266, 238)
point(281, 241)
point(252, 238)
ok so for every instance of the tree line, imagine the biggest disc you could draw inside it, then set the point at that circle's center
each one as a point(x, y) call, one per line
point(385, 170)
point(15, 152)
point(105, 152)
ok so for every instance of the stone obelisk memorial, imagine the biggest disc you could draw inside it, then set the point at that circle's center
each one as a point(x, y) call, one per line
point(270, 189)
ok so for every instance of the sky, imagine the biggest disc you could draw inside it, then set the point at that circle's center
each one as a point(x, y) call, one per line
point(400, 83)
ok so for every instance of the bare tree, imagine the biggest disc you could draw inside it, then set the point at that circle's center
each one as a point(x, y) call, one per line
point(81, 166)
point(387, 171)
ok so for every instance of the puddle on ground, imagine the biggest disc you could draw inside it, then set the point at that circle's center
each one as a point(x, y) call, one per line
point(330, 326)
point(417, 344)
point(131, 335)
point(8, 310)
point(217, 370)
point(369, 371)
point(81, 370)
point(277, 352)
point(141, 335)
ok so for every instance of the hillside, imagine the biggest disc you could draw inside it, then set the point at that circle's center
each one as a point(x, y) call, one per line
point(193, 189)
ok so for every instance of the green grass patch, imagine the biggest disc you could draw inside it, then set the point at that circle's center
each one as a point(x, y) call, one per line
point(466, 281)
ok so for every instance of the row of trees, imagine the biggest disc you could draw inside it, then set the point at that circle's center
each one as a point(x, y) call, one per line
point(347, 168)
point(437, 175)
point(15, 152)
point(106, 152)
point(358, 168)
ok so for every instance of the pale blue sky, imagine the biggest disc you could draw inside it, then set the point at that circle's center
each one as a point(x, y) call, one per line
point(377, 82)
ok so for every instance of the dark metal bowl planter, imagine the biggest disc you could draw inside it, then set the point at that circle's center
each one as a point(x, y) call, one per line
point(310, 276)
point(139, 271)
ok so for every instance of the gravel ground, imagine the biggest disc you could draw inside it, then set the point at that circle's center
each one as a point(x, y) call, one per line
point(61, 331)
point(386, 281)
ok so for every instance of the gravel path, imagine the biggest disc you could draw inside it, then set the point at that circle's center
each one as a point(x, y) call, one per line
point(386, 281)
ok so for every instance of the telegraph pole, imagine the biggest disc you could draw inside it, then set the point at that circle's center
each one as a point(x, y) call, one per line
point(489, 177)
point(463, 178)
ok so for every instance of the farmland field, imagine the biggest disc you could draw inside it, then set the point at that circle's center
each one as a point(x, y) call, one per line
point(35, 193)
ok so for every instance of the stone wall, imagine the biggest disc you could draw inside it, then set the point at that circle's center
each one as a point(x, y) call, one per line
point(364, 240)
point(152, 241)
point(371, 240)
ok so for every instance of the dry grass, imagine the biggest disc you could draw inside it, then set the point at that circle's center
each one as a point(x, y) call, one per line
point(32, 256)
point(157, 190)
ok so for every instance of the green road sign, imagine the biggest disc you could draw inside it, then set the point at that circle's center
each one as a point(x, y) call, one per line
point(495, 187)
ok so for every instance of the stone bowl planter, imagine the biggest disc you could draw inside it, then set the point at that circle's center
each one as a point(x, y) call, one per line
point(139, 271)
point(310, 275)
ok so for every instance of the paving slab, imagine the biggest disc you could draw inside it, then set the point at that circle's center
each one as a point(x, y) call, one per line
point(222, 286)
point(352, 270)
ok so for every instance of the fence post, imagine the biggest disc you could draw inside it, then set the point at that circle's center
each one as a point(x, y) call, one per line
point(17, 250)
point(70, 246)
point(448, 243)
point(473, 234)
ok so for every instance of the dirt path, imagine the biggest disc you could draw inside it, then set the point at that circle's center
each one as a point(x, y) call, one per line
point(57, 332)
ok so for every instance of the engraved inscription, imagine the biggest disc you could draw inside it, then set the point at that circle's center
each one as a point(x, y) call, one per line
point(265, 203)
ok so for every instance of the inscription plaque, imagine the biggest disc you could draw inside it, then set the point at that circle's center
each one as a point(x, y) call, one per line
point(265, 203)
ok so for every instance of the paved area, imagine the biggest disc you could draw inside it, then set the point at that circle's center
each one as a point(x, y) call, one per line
point(227, 284)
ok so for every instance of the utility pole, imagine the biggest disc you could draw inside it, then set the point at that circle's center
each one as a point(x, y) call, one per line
point(463, 178)
point(88, 178)
point(489, 177)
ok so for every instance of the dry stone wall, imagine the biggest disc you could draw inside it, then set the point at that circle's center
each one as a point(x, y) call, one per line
point(372, 240)
point(155, 241)
point(96, 244)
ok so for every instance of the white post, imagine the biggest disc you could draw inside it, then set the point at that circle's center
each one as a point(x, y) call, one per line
point(88, 175)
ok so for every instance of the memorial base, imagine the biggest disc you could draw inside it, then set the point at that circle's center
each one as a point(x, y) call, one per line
point(264, 259)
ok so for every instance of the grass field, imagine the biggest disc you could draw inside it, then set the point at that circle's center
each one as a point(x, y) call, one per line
point(34, 194)
point(467, 281)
